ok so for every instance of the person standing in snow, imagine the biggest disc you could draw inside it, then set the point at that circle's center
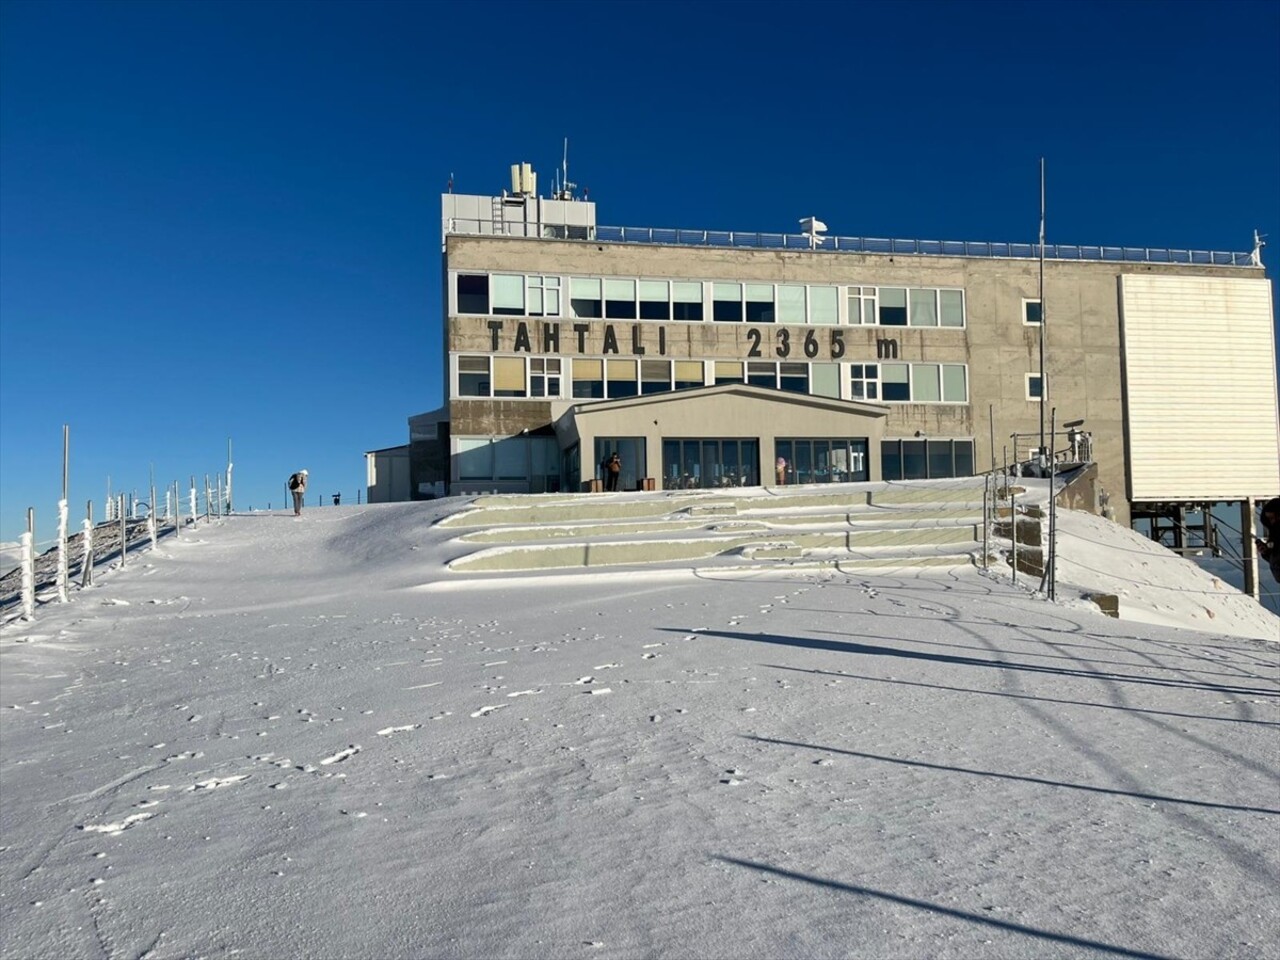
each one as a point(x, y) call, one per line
point(298, 487)
point(1269, 548)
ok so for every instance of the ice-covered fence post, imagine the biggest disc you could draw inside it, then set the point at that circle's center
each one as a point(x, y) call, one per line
point(217, 480)
point(60, 578)
point(151, 517)
point(124, 530)
point(206, 496)
point(193, 500)
point(86, 541)
point(28, 560)
point(1013, 528)
point(230, 465)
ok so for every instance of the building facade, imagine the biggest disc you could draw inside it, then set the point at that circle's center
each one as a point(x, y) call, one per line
point(719, 359)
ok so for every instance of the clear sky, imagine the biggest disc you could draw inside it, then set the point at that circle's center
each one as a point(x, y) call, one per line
point(222, 220)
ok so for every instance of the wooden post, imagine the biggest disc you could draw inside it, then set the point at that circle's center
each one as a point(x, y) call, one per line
point(1249, 550)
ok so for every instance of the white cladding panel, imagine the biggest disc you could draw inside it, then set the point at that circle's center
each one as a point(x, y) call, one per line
point(1201, 404)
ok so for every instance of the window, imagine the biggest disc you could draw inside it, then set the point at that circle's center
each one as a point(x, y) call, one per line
point(952, 303)
point(954, 388)
point(544, 377)
point(838, 460)
point(926, 383)
point(759, 300)
point(689, 373)
point(910, 382)
point(655, 375)
point(585, 300)
point(1034, 387)
point(762, 373)
point(864, 381)
point(730, 371)
point(893, 307)
point(475, 459)
point(508, 294)
point(1031, 311)
point(825, 380)
point(544, 296)
point(895, 379)
point(621, 378)
point(924, 308)
point(620, 299)
point(588, 379)
point(791, 307)
point(508, 377)
point(654, 302)
point(925, 459)
point(824, 305)
point(686, 300)
point(794, 377)
point(726, 302)
point(473, 376)
point(473, 293)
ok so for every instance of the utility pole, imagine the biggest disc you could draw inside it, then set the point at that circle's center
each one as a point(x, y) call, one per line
point(1044, 383)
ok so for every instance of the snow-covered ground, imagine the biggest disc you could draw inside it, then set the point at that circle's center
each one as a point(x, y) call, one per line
point(280, 738)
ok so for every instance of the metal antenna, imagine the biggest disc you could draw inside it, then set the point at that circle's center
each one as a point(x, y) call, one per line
point(1044, 386)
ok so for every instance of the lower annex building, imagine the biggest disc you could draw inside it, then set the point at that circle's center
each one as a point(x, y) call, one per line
point(722, 359)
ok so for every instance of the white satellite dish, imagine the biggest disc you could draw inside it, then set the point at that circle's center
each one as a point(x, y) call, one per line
point(813, 229)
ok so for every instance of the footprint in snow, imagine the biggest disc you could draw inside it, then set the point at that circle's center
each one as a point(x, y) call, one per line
point(485, 711)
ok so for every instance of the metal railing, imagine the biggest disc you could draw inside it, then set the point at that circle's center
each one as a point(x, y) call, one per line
point(800, 241)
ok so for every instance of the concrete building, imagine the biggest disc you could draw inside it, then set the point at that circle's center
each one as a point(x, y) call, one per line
point(714, 359)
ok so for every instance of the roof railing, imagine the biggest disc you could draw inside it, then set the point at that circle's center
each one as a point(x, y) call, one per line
point(831, 244)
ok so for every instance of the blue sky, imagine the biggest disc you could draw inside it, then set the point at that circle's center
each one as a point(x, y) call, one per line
point(222, 220)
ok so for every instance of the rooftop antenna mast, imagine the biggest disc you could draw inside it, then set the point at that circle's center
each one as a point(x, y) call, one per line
point(1044, 386)
point(566, 185)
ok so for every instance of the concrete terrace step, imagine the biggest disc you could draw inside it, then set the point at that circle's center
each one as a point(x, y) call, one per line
point(584, 555)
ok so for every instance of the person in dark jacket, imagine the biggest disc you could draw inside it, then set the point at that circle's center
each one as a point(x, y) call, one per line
point(613, 468)
point(298, 487)
point(1269, 547)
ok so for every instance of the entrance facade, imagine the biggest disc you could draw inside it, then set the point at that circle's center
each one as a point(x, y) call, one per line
point(701, 463)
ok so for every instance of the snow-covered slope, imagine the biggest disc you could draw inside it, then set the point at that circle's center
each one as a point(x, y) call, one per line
point(276, 738)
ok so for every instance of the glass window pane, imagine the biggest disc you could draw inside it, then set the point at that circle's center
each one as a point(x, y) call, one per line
point(473, 376)
point(895, 383)
point(914, 466)
point(964, 458)
point(791, 304)
point(825, 380)
point(653, 290)
point(952, 307)
point(824, 305)
point(475, 459)
point(508, 377)
point(621, 369)
point(760, 291)
point(586, 287)
point(729, 371)
point(508, 293)
point(868, 311)
point(940, 459)
point(510, 458)
point(1032, 308)
point(794, 377)
point(953, 383)
point(893, 306)
point(926, 386)
point(615, 289)
point(759, 303)
point(689, 373)
point(473, 293)
point(727, 305)
point(891, 459)
point(924, 308)
point(762, 373)
point(686, 291)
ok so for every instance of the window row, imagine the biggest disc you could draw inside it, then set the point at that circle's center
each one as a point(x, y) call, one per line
point(590, 378)
point(925, 459)
point(617, 298)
